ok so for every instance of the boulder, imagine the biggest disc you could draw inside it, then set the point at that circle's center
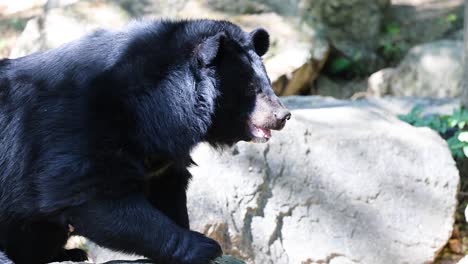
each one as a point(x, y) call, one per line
point(378, 83)
point(353, 26)
point(422, 21)
point(341, 89)
point(434, 69)
point(343, 183)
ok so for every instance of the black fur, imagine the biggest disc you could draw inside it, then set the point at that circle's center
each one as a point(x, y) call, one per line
point(97, 135)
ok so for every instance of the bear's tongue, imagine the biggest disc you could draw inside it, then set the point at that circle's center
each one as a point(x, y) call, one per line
point(261, 132)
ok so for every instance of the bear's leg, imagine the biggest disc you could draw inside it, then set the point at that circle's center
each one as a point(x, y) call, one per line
point(131, 224)
point(35, 242)
point(167, 192)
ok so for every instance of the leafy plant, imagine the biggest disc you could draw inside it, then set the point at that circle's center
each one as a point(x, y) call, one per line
point(392, 29)
point(391, 44)
point(454, 128)
point(17, 24)
point(451, 18)
point(347, 67)
point(339, 65)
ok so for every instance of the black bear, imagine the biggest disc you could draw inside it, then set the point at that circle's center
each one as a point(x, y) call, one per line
point(96, 136)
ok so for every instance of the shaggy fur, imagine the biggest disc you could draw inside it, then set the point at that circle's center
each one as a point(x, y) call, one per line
point(96, 135)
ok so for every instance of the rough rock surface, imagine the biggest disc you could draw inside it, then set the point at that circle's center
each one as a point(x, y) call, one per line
point(422, 21)
point(342, 184)
point(433, 69)
point(353, 26)
point(341, 89)
point(379, 82)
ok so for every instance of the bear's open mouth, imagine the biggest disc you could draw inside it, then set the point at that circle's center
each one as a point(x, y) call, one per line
point(259, 134)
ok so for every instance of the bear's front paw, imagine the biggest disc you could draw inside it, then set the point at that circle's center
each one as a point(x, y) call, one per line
point(196, 248)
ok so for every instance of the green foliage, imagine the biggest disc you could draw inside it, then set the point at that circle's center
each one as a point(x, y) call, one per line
point(454, 128)
point(459, 119)
point(347, 67)
point(392, 29)
point(17, 24)
point(451, 21)
point(339, 65)
point(391, 44)
point(451, 18)
point(437, 123)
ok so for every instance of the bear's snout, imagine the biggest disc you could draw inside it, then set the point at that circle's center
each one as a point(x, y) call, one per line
point(270, 113)
point(277, 114)
point(281, 115)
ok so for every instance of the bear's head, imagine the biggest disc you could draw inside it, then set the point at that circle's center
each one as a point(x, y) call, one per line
point(247, 108)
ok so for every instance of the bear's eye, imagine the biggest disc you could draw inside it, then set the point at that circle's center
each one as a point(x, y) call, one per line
point(252, 89)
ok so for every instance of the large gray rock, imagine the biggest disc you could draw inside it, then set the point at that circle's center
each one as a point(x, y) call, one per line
point(344, 183)
point(353, 26)
point(341, 89)
point(422, 21)
point(434, 69)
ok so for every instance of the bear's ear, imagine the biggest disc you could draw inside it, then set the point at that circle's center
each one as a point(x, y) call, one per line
point(209, 48)
point(261, 41)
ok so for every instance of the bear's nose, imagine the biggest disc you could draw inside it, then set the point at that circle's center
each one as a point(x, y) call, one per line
point(283, 115)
